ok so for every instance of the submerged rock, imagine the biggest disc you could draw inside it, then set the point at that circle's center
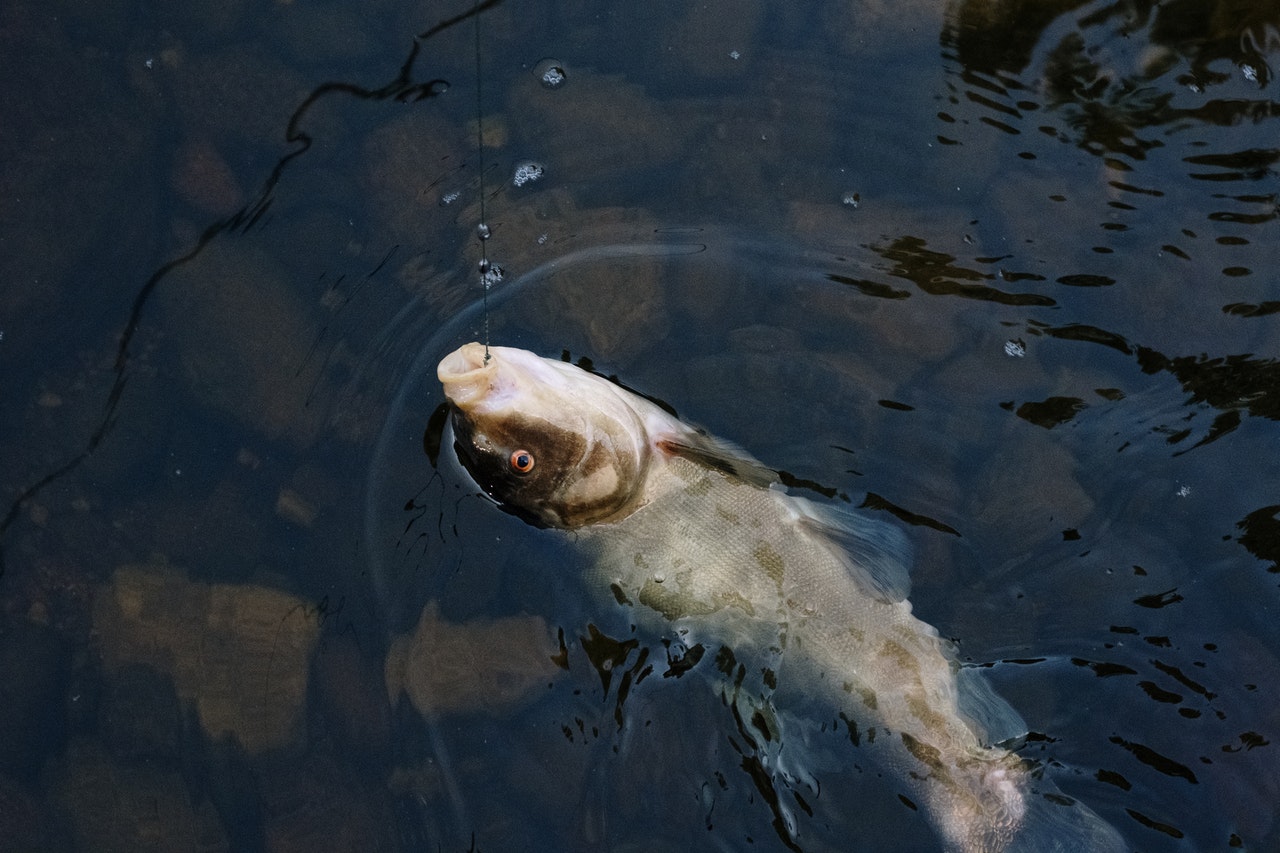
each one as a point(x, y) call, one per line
point(620, 307)
point(240, 93)
point(482, 664)
point(316, 806)
point(616, 303)
point(413, 172)
point(871, 27)
point(60, 103)
point(717, 38)
point(109, 807)
point(140, 715)
point(24, 827)
point(351, 695)
point(202, 178)
point(1031, 493)
point(33, 660)
point(239, 654)
point(597, 128)
point(246, 340)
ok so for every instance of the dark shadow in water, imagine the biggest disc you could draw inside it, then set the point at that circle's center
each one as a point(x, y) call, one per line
point(1262, 535)
point(1001, 37)
point(1070, 70)
point(1235, 385)
point(937, 273)
point(403, 89)
point(1230, 383)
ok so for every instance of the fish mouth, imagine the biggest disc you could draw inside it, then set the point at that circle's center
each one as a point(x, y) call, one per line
point(468, 375)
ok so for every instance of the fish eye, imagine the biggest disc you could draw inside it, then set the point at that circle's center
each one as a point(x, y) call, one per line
point(521, 461)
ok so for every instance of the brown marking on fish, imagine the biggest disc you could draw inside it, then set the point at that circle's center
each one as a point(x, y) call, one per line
point(771, 561)
point(914, 692)
point(673, 603)
point(866, 694)
point(727, 514)
point(700, 487)
point(903, 660)
point(735, 599)
point(923, 710)
point(926, 754)
point(560, 489)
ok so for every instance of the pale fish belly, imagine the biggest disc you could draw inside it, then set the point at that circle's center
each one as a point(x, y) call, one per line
point(731, 564)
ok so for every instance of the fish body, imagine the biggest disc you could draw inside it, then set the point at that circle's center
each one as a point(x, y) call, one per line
point(700, 540)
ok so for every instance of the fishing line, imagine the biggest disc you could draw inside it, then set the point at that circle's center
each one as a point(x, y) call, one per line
point(482, 230)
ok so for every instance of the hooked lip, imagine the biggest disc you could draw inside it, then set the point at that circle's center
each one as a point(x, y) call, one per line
point(466, 375)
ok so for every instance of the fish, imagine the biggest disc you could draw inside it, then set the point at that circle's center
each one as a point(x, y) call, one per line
point(701, 540)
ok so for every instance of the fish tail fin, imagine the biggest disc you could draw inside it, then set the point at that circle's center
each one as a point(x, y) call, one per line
point(979, 806)
point(1047, 820)
point(998, 807)
point(1056, 823)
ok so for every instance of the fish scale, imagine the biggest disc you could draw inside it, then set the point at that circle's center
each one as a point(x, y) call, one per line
point(698, 540)
point(779, 593)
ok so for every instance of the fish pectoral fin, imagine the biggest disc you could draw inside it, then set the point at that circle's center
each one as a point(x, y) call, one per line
point(716, 453)
point(875, 553)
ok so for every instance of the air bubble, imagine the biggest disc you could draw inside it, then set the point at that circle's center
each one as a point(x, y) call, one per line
point(851, 200)
point(659, 577)
point(449, 198)
point(526, 173)
point(483, 232)
point(550, 73)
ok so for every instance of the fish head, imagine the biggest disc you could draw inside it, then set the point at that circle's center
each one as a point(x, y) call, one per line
point(552, 443)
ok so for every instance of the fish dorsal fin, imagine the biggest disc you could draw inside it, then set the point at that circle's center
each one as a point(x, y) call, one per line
point(716, 453)
point(876, 553)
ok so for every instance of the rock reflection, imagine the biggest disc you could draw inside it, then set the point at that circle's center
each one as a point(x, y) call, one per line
point(1172, 101)
point(451, 667)
point(240, 655)
point(993, 36)
point(1261, 535)
point(1118, 161)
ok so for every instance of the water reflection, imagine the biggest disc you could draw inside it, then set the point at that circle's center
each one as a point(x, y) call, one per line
point(213, 320)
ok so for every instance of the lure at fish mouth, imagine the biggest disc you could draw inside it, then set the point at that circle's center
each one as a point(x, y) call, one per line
point(698, 538)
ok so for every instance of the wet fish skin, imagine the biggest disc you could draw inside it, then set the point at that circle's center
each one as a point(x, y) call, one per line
point(694, 534)
point(590, 452)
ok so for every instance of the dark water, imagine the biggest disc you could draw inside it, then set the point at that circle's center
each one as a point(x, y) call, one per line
point(1003, 271)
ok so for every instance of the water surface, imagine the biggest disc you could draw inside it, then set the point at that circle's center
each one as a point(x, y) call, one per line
point(1003, 275)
